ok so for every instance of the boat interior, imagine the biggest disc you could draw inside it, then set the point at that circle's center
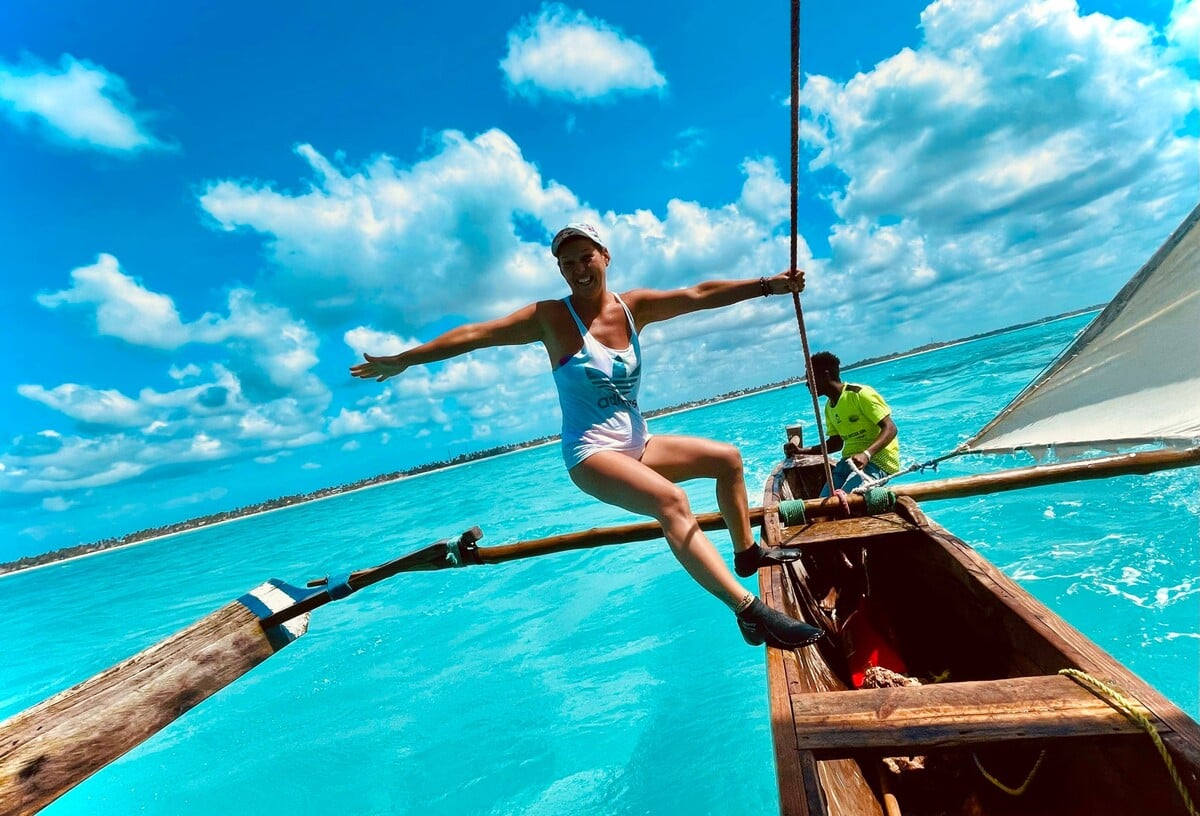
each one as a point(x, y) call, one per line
point(939, 688)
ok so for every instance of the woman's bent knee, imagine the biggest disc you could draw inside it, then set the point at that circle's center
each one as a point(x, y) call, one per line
point(674, 506)
point(731, 461)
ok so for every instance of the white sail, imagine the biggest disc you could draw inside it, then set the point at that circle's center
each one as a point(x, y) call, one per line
point(1132, 377)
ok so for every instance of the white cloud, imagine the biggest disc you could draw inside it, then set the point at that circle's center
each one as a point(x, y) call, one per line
point(216, 418)
point(691, 140)
point(1183, 30)
point(565, 54)
point(40, 532)
point(985, 173)
point(283, 422)
point(510, 387)
point(364, 340)
point(184, 372)
point(514, 380)
point(417, 257)
point(159, 415)
point(694, 243)
point(412, 240)
point(269, 350)
point(1018, 135)
point(77, 103)
point(265, 338)
point(124, 308)
point(57, 504)
point(765, 196)
point(76, 463)
point(50, 461)
point(79, 462)
point(104, 407)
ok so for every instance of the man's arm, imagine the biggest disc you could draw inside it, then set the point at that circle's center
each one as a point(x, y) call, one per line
point(833, 444)
point(887, 432)
point(652, 305)
point(520, 327)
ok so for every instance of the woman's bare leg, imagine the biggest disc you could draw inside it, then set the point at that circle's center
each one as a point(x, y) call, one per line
point(679, 458)
point(624, 482)
point(616, 479)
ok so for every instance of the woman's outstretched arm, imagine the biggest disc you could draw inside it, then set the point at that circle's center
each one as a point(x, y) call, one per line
point(652, 305)
point(521, 327)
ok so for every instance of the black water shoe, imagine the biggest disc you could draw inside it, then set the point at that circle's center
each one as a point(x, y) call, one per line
point(753, 558)
point(762, 624)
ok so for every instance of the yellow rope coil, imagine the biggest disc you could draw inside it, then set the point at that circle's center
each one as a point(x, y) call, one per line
point(1126, 706)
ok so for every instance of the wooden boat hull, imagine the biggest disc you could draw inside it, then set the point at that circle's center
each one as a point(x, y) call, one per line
point(999, 705)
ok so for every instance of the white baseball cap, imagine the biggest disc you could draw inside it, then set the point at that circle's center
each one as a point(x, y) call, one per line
point(579, 230)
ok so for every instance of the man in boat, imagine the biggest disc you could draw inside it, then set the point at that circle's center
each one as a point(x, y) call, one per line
point(592, 339)
point(858, 422)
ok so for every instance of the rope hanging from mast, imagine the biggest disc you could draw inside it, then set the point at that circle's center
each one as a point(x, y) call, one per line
point(808, 369)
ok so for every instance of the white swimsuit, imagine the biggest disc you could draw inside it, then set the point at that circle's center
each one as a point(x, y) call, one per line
point(597, 391)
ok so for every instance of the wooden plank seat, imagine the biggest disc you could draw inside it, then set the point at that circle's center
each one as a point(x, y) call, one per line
point(842, 531)
point(944, 715)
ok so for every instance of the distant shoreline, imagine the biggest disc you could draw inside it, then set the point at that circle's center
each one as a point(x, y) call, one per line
point(887, 358)
point(154, 534)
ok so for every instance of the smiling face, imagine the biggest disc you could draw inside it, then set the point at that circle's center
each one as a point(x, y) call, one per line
point(583, 265)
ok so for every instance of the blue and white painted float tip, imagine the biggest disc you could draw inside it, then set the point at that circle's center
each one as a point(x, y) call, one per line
point(275, 596)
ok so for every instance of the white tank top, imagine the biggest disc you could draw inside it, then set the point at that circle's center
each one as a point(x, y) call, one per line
point(597, 391)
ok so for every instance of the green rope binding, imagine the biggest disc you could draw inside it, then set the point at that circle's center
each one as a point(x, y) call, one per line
point(879, 500)
point(791, 512)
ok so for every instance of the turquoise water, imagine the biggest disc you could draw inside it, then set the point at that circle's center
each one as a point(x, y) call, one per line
point(587, 682)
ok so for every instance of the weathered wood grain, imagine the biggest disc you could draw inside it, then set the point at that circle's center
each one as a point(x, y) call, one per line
point(807, 787)
point(843, 530)
point(912, 718)
point(48, 749)
point(1052, 644)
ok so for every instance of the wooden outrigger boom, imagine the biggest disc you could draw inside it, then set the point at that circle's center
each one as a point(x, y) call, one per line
point(955, 488)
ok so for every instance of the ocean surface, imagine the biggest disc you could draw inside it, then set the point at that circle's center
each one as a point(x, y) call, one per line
point(599, 681)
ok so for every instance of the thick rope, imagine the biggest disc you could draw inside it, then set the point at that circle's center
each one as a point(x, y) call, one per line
point(879, 500)
point(808, 369)
point(1127, 707)
point(791, 512)
point(876, 501)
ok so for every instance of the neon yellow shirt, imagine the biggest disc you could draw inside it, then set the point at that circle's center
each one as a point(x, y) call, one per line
point(856, 419)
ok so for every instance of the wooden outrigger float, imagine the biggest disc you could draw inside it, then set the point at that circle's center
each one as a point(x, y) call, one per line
point(997, 724)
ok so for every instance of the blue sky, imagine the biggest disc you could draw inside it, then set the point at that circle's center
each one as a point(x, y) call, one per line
point(208, 213)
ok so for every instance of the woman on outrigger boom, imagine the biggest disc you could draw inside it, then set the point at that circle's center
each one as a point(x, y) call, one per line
point(591, 337)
